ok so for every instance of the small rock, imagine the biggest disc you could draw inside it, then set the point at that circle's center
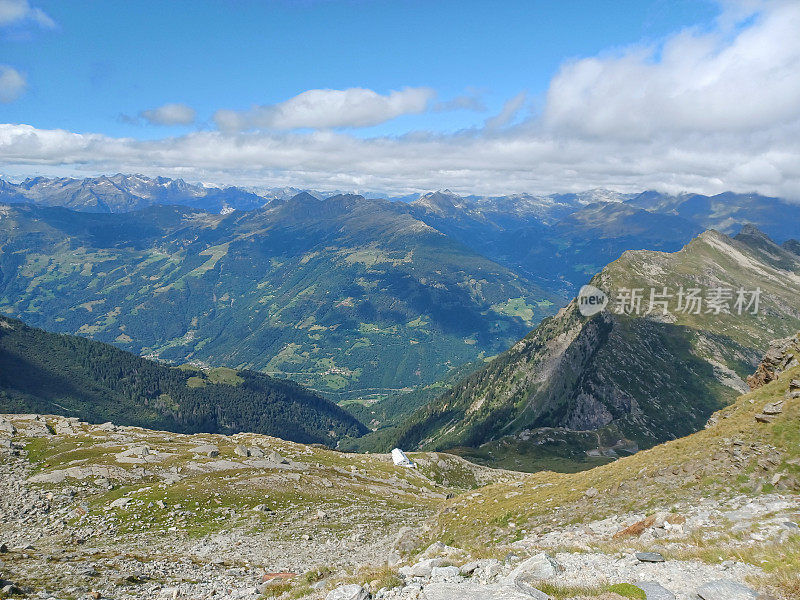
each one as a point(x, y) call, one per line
point(775, 408)
point(444, 572)
point(652, 557)
point(469, 568)
point(209, 450)
point(241, 451)
point(7, 427)
point(654, 591)
point(277, 458)
point(726, 590)
point(636, 529)
point(762, 418)
point(255, 452)
point(121, 502)
point(10, 589)
point(527, 588)
point(139, 451)
point(348, 592)
point(540, 566)
point(591, 492)
point(423, 568)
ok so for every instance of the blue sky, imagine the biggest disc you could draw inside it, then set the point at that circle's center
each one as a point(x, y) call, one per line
point(405, 96)
point(111, 58)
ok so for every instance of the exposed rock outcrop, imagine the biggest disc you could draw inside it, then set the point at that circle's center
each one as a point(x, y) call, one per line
point(782, 355)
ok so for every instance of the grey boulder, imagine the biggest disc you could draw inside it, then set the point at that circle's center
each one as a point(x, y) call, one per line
point(539, 566)
point(724, 589)
point(473, 591)
point(652, 557)
point(654, 591)
point(348, 592)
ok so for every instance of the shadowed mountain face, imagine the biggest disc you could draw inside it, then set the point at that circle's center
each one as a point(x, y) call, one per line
point(344, 294)
point(633, 379)
point(76, 377)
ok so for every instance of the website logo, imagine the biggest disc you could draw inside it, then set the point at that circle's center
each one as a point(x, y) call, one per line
point(591, 300)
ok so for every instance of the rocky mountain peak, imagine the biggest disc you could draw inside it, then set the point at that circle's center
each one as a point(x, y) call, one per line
point(442, 202)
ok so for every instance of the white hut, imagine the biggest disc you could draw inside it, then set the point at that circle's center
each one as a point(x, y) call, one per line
point(400, 459)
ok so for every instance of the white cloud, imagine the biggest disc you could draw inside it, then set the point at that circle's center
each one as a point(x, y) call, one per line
point(470, 101)
point(170, 114)
point(12, 84)
point(708, 112)
point(696, 82)
point(13, 12)
point(325, 109)
point(509, 112)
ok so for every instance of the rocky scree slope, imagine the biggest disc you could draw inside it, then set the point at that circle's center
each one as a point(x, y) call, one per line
point(728, 492)
point(129, 511)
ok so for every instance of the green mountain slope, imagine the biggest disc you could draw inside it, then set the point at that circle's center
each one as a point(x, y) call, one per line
point(73, 376)
point(738, 455)
point(633, 381)
point(344, 295)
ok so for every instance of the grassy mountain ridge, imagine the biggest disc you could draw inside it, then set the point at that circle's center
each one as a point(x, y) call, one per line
point(343, 295)
point(640, 379)
point(737, 455)
point(74, 376)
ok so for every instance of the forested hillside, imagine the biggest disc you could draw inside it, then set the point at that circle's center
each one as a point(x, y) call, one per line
point(73, 376)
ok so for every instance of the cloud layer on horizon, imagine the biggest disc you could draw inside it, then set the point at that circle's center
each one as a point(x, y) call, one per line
point(704, 111)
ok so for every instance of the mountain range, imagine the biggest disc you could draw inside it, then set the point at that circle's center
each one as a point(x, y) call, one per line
point(356, 297)
point(624, 380)
point(125, 193)
point(345, 294)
